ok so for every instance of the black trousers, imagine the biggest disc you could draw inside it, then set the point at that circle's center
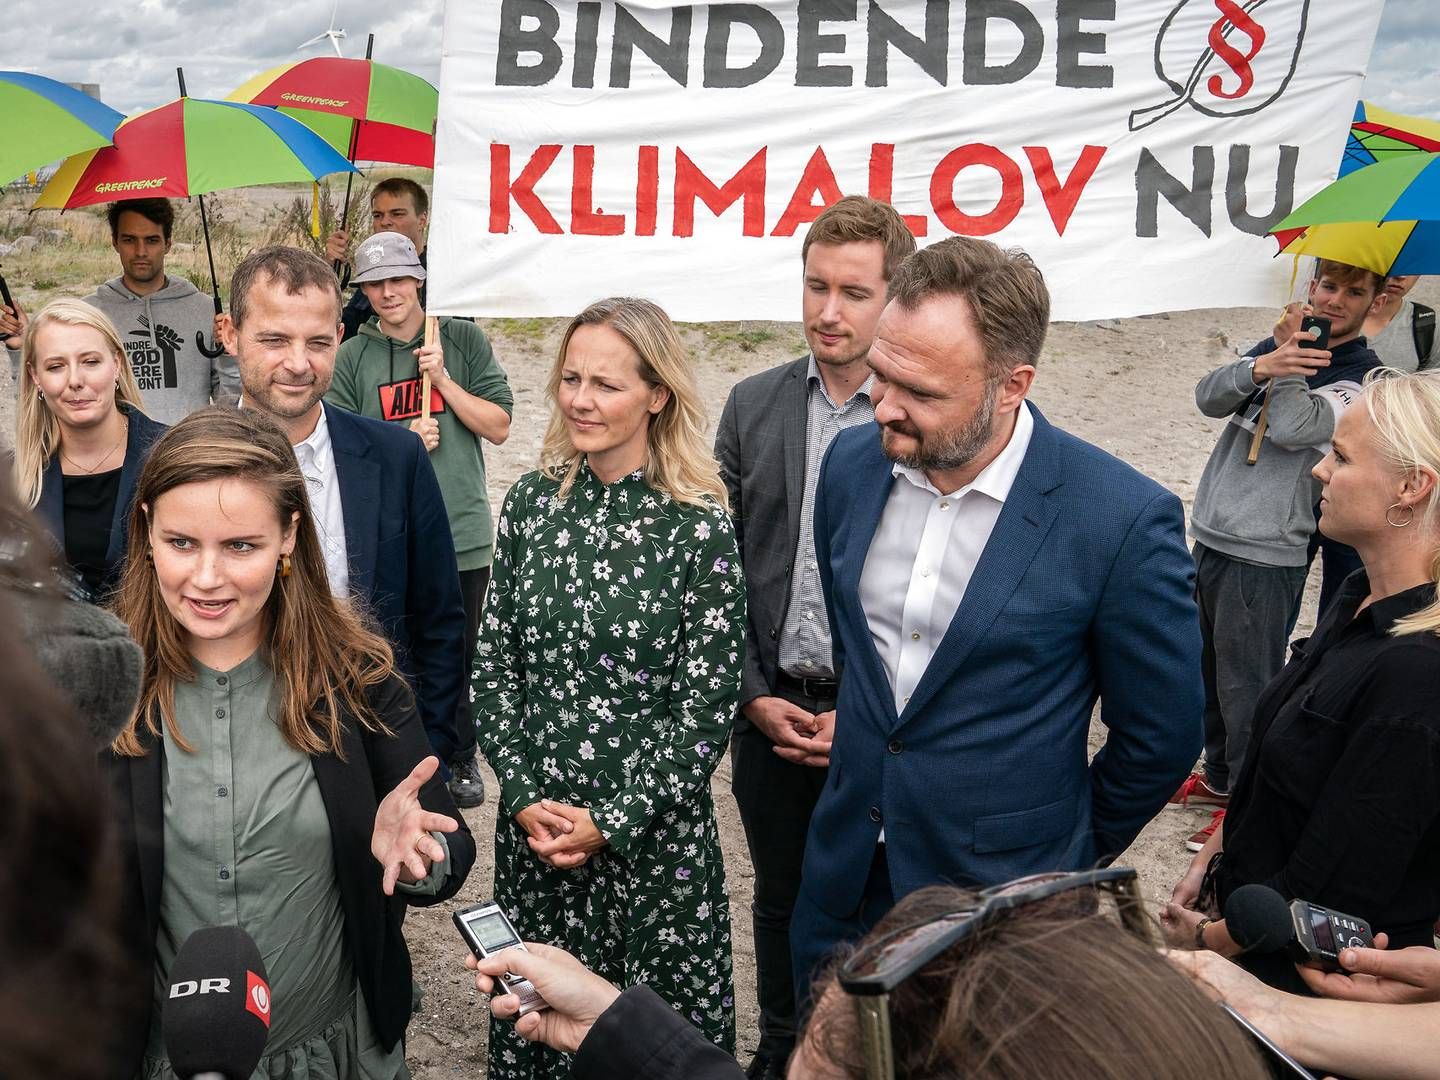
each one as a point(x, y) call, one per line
point(472, 591)
point(1246, 612)
point(776, 798)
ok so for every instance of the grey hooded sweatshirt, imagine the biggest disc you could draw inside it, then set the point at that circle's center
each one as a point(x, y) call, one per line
point(159, 330)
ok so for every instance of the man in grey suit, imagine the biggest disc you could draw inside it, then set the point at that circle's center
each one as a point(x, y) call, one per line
point(773, 434)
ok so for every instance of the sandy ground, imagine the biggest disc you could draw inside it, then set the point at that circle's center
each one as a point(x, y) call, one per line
point(1124, 384)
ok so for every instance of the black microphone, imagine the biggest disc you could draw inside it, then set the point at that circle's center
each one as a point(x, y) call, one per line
point(1258, 919)
point(217, 1014)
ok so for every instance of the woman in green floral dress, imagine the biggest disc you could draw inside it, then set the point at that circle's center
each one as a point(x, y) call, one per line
point(606, 677)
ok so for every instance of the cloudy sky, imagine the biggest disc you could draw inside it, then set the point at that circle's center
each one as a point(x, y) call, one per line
point(132, 47)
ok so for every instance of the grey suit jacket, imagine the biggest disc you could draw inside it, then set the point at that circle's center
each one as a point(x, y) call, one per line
point(761, 447)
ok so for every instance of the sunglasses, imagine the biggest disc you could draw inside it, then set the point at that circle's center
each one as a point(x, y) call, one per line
point(872, 972)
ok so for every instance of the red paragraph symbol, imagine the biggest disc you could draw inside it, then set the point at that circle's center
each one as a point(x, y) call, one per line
point(1238, 62)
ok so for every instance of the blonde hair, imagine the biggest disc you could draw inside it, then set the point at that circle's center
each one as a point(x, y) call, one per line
point(680, 461)
point(324, 657)
point(1405, 412)
point(37, 432)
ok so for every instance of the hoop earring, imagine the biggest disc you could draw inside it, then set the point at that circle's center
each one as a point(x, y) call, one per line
point(285, 566)
point(1399, 524)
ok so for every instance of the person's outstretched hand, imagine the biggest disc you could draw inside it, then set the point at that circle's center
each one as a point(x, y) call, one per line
point(1223, 980)
point(401, 842)
point(1402, 977)
point(575, 994)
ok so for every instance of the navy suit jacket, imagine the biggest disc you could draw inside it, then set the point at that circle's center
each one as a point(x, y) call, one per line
point(51, 507)
point(402, 561)
point(1084, 590)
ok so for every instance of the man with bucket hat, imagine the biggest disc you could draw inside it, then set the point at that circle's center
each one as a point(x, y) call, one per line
point(380, 373)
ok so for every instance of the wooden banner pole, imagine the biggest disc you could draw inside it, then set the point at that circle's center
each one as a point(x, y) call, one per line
point(432, 328)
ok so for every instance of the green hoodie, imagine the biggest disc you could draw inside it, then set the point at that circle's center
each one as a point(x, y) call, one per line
point(378, 376)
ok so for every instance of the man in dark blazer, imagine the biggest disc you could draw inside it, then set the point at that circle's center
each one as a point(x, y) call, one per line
point(987, 577)
point(377, 504)
point(773, 433)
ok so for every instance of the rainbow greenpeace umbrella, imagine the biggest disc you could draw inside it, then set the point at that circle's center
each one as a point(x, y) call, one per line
point(1387, 247)
point(190, 147)
point(365, 110)
point(46, 120)
point(1382, 217)
point(1377, 134)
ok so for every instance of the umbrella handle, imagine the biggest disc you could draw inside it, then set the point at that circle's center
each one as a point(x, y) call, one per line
point(5, 294)
point(207, 350)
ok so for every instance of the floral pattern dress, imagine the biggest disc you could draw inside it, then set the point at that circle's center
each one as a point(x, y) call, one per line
point(606, 676)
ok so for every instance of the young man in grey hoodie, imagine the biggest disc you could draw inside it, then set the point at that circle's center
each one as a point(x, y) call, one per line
point(168, 326)
point(1252, 522)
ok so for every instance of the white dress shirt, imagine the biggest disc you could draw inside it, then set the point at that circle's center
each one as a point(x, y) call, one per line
point(317, 462)
point(923, 555)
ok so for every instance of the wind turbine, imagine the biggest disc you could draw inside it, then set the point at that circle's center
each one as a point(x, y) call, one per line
point(332, 35)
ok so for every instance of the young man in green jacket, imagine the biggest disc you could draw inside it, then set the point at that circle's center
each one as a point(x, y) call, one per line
point(378, 373)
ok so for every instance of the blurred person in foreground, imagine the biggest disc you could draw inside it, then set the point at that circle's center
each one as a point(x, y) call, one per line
point(69, 677)
point(81, 436)
point(606, 675)
point(275, 776)
point(1339, 799)
point(1054, 978)
point(1386, 1027)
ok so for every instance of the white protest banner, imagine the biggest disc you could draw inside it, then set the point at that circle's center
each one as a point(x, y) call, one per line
point(1138, 149)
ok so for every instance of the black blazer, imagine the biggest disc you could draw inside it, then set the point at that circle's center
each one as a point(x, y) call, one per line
point(51, 507)
point(351, 790)
point(641, 1037)
point(760, 443)
point(402, 561)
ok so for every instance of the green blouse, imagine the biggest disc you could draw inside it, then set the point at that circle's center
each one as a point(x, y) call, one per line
point(247, 843)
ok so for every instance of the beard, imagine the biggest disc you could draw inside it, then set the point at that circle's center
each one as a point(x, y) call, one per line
point(259, 395)
point(946, 450)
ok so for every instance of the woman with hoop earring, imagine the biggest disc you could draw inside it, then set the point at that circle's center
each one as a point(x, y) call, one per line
point(1338, 801)
point(275, 775)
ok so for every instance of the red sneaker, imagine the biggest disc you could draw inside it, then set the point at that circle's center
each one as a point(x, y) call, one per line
point(1195, 790)
point(1197, 840)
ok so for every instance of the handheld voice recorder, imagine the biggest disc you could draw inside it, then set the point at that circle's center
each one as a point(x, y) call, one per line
point(1320, 934)
point(488, 930)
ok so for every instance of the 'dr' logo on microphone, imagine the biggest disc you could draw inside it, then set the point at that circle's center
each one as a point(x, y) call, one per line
point(257, 997)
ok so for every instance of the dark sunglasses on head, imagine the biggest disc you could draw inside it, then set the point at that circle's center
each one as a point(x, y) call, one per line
point(874, 970)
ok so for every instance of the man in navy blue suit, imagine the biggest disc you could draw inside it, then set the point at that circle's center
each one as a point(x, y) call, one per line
point(376, 502)
point(987, 577)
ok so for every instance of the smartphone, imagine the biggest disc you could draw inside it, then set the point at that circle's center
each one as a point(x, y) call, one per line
point(1321, 328)
point(487, 930)
point(1280, 1063)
